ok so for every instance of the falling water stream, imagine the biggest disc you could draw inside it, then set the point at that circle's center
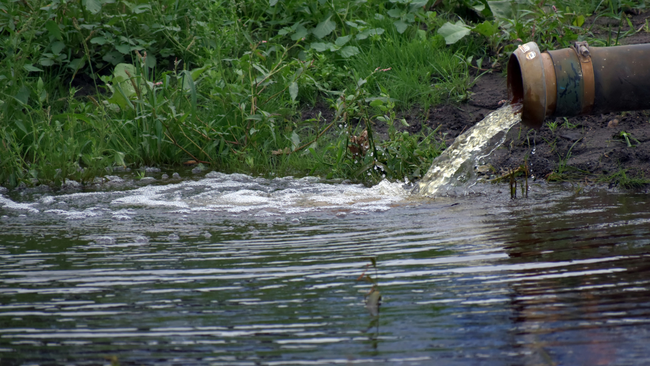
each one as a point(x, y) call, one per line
point(453, 170)
point(229, 269)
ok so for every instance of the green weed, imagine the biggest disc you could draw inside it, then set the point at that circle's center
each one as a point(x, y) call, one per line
point(621, 179)
point(88, 86)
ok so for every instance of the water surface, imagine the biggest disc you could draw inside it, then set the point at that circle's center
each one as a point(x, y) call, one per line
point(235, 270)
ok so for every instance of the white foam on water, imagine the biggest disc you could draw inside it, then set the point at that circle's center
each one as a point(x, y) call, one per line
point(233, 194)
point(9, 204)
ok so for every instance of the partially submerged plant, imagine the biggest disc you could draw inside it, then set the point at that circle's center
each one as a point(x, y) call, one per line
point(511, 176)
point(373, 296)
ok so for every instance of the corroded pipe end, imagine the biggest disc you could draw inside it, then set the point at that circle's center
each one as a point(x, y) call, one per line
point(529, 72)
point(578, 80)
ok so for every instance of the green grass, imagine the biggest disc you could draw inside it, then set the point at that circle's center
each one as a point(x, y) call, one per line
point(91, 85)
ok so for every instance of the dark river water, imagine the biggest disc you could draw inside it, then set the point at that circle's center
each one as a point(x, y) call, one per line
point(234, 270)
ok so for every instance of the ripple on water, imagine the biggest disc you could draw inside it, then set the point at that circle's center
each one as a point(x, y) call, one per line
point(486, 280)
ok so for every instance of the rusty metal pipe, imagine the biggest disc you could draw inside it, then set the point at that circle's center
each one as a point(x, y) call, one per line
point(578, 81)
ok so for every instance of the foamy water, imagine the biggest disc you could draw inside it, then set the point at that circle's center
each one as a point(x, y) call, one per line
point(453, 170)
point(236, 194)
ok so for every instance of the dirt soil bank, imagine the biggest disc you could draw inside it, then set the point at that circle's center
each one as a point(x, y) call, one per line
point(591, 148)
point(584, 147)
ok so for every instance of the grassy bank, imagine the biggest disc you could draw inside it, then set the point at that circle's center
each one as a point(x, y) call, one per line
point(90, 85)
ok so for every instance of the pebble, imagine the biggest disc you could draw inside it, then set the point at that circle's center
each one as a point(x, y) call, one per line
point(613, 123)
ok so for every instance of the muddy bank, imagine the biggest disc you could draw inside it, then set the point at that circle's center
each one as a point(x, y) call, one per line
point(591, 148)
point(584, 147)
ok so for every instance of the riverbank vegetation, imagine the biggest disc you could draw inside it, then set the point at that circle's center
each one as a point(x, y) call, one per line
point(261, 86)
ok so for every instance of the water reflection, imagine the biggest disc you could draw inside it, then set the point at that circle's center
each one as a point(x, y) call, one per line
point(587, 311)
point(555, 279)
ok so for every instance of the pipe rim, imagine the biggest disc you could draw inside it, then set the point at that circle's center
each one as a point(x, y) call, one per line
point(527, 84)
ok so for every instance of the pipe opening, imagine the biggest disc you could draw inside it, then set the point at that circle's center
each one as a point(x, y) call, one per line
point(515, 81)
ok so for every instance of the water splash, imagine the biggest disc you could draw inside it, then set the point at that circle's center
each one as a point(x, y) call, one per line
point(455, 166)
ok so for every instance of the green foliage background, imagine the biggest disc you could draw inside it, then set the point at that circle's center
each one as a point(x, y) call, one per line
point(91, 85)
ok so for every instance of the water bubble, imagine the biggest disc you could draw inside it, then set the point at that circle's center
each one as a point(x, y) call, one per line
point(122, 217)
point(141, 239)
point(173, 237)
point(105, 240)
point(176, 176)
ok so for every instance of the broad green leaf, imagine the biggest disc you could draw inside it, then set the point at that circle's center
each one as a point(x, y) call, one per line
point(54, 30)
point(486, 28)
point(113, 57)
point(324, 28)
point(321, 47)
point(122, 80)
point(98, 40)
point(579, 21)
point(453, 32)
point(93, 6)
point(341, 41)
point(501, 9)
point(22, 95)
point(417, 5)
point(369, 32)
point(273, 2)
point(46, 61)
point(376, 103)
point(401, 26)
point(348, 51)
point(123, 48)
point(143, 8)
point(150, 61)
point(118, 158)
point(57, 47)
point(293, 91)
point(20, 125)
point(301, 32)
point(352, 24)
point(118, 98)
point(122, 71)
point(394, 13)
point(196, 73)
point(31, 68)
point(76, 64)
